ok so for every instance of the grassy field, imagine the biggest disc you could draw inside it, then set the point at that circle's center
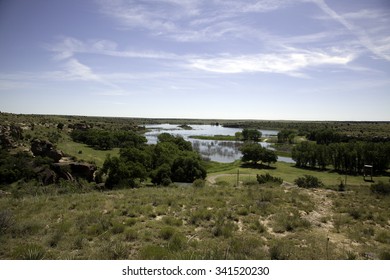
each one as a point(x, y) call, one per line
point(218, 221)
point(84, 152)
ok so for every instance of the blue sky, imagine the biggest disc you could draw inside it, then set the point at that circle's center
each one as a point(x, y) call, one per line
point(264, 59)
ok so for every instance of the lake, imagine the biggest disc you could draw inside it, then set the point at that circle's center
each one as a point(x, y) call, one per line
point(215, 150)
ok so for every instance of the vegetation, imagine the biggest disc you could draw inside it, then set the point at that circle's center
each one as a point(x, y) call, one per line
point(267, 178)
point(253, 153)
point(346, 157)
point(225, 211)
point(308, 181)
point(171, 160)
point(106, 140)
point(251, 134)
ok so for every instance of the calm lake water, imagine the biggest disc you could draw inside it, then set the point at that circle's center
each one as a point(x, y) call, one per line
point(215, 150)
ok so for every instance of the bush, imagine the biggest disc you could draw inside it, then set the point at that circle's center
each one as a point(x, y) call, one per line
point(176, 242)
point(381, 188)
point(308, 181)
point(154, 252)
point(6, 220)
point(131, 234)
point(267, 178)
point(199, 183)
point(167, 232)
point(29, 252)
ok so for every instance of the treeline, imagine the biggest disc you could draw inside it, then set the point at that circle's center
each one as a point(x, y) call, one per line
point(106, 139)
point(170, 160)
point(345, 157)
point(327, 136)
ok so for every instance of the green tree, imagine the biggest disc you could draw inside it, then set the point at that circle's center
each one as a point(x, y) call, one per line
point(269, 156)
point(162, 175)
point(251, 134)
point(123, 174)
point(187, 169)
point(182, 144)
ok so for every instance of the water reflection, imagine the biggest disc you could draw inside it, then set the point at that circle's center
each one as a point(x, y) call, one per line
point(214, 150)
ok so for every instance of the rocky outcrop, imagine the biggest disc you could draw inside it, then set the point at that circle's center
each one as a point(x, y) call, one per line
point(9, 135)
point(45, 148)
point(70, 170)
point(80, 126)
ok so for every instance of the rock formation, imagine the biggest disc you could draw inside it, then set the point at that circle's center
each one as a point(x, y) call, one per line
point(44, 148)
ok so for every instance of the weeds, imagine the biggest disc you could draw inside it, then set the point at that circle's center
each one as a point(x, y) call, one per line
point(29, 252)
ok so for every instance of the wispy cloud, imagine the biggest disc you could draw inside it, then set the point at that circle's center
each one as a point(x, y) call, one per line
point(377, 43)
point(284, 60)
point(67, 47)
point(78, 71)
point(187, 20)
point(292, 63)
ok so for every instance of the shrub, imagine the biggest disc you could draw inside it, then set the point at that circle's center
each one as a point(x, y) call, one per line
point(167, 232)
point(381, 188)
point(171, 221)
point(341, 187)
point(5, 220)
point(154, 252)
point(289, 222)
point(267, 178)
point(131, 234)
point(279, 251)
point(29, 252)
point(199, 183)
point(224, 228)
point(117, 228)
point(176, 242)
point(308, 181)
point(258, 226)
point(114, 250)
point(242, 211)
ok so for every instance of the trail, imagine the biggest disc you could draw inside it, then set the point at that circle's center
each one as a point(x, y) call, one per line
point(322, 217)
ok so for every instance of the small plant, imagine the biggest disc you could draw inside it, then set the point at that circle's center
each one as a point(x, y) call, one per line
point(167, 232)
point(29, 252)
point(171, 221)
point(154, 252)
point(131, 234)
point(289, 222)
point(117, 228)
point(176, 242)
point(258, 226)
point(278, 251)
point(308, 181)
point(242, 211)
point(199, 183)
point(341, 187)
point(267, 178)
point(224, 228)
point(355, 213)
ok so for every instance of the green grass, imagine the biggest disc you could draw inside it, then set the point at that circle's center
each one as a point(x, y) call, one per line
point(85, 153)
point(288, 172)
point(214, 222)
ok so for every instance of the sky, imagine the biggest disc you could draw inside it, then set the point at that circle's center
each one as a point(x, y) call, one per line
point(209, 59)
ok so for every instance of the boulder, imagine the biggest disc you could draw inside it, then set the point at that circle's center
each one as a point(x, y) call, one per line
point(45, 148)
point(75, 170)
point(9, 135)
